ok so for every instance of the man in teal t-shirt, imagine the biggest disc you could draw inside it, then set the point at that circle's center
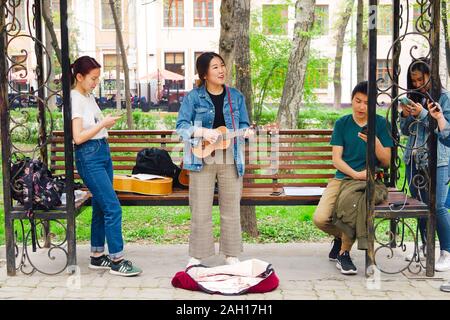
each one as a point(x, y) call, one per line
point(349, 158)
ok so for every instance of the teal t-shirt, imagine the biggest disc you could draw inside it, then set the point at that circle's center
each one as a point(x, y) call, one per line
point(345, 134)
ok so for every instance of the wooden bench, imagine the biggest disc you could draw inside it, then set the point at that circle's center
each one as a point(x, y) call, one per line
point(297, 158)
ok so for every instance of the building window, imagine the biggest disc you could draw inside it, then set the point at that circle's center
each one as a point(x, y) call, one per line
point(275, 19)
point(109, 74)
point(109, 62)
point(384, 25)
point(321, 20)
point(383, 73)
point(20, 16)
point(318, 75)
point(174, 61)
point(107, 17)
point(203, 13)
point(174, 13)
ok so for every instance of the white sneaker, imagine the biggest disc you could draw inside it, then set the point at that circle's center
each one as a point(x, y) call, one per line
point(231, 260)
point(445, 287)
point(193, 262)
point(422, 255)
point(443, 263)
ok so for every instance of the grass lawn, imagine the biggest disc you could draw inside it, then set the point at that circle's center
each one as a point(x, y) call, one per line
point(167, 225)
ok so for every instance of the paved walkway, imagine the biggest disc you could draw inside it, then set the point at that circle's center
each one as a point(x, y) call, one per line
point(303, 269)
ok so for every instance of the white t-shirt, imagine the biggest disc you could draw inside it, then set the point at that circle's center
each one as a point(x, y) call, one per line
point(86, 108)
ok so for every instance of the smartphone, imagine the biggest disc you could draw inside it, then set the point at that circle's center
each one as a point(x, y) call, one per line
point(437, 108)
point(364, 130)
point(404, 100)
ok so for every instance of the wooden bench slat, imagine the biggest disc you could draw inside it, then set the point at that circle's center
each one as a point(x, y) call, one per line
point(129, 140)
point(304, 139)
point(290, 153)
point(290, 176)
point(292, 149)
point(290, 166)
point(249, 166)
point(168, 132)
point(129, 149)
point(259, 158)
point(280, 185)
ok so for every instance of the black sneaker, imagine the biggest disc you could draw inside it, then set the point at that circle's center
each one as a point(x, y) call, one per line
point(102, 262)
point(124, 268)
point(335, 250)
point(345, 264)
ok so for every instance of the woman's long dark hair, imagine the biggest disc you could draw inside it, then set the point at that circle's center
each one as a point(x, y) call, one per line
point(202, 65)
point(83, 65)
point(422, 65)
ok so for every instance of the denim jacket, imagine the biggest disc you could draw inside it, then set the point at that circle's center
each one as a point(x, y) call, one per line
point(408, 126)
point(197, 110)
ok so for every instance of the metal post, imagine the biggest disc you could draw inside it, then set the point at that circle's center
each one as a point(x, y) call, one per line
point(41, 94)
point(40, 79)
point(432, 141)
point(394, 107)
point(68, 147)
point(6, 149)
point(372, 96)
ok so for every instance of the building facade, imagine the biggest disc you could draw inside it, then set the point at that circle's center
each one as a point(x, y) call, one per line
point(170, 34)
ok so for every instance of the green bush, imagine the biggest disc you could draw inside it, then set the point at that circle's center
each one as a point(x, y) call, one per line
point(25, 126)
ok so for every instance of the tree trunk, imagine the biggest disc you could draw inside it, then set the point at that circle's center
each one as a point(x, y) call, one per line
point(295, 77)
point(124, 63)
point(118, 83)
point(228, 34)
point(360, 59)
point(344, 17)
point(244, 84)
point(445, 26)
point(47, 12)
point(47, 16)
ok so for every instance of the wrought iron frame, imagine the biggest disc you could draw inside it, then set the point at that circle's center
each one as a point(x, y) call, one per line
point(11, 29)
point(427, 26)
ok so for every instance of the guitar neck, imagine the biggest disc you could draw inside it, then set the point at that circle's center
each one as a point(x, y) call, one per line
point(233, 134)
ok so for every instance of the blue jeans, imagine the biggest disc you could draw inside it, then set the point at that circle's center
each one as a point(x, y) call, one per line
point(447, 202)
point(442, 215)
point(94, 165)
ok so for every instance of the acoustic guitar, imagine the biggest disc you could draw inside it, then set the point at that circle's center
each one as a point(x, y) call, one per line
point(204, 148)
point(159, 186)
point(183, 177)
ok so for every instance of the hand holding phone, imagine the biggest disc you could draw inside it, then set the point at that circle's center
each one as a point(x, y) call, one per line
point(432, 105)
point(405, 101)
point(364, 130)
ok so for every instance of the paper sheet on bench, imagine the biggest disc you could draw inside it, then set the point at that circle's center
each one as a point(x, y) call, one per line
point(145, 176)
point(303, 191)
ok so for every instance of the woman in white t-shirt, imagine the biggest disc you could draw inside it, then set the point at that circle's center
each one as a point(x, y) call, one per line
point(94, 165)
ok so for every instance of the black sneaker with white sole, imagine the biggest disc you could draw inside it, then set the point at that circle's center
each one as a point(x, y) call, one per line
point(124, 268)
point(345, 264)
point(100, 263)
point(335, 250)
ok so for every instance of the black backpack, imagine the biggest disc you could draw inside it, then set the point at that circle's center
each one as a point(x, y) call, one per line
point(157, 161)
point(34, 187)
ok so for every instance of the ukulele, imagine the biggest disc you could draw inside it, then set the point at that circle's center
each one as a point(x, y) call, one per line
point(204, 148)
point(157, 185)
